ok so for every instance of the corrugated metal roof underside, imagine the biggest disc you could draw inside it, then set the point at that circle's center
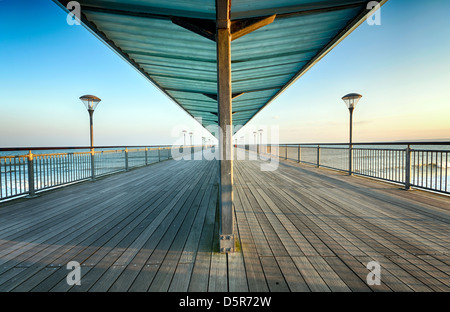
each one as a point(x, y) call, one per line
point(183, 64)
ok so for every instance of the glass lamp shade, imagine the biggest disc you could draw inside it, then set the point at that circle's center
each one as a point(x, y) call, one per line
point(351, 100)
point(90, 101)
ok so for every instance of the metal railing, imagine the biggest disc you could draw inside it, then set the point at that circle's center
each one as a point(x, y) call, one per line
point(25, 171)
point(423, 165)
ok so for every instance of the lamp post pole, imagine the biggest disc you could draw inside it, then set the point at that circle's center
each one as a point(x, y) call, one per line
point(351, 100)
point(91, 102)
point(91, 121)
point(350, 145)
point(184, 135)
point(260, 140)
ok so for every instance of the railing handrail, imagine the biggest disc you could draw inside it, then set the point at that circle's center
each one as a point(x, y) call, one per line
point(32, 148)
point(369, 143)
point(36, 148)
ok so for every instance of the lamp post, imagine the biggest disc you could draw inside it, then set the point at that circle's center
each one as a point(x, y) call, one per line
point(91, 102)
point(184, 133)
point(260, 140)
point(351, 100)
point(190, 134)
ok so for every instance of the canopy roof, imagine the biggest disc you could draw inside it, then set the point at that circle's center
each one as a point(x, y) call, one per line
point(169, 42)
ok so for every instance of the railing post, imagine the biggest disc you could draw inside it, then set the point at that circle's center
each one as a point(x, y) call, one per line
point(92, 164)
point(146, 156)
point(159, 154)
point(31, 188)
point(408, 168)
point(350, 159)
point(318, 156)
point(286, 153)
point(298, 153)
point(126, 159)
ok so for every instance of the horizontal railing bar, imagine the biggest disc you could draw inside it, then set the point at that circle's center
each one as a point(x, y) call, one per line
point(370, 143)
point(377, 149)
point(12, 149)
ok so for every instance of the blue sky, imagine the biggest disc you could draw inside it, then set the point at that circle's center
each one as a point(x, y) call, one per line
point(401, 68)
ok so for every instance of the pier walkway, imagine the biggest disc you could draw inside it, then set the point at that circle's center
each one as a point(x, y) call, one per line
point(155, 228)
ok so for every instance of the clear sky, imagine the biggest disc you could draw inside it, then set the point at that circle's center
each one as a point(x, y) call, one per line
point(401, 67)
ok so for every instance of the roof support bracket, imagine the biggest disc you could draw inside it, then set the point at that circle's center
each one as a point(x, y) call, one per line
point(245, 26)
point(207, 28)
point(214, 96)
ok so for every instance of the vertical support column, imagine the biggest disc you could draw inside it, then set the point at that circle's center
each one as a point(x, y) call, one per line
point(224, 99)
point(408, 168)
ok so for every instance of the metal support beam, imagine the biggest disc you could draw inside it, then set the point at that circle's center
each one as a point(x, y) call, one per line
point(224, 97)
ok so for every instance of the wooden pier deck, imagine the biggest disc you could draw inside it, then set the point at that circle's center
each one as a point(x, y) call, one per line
point(155, 228)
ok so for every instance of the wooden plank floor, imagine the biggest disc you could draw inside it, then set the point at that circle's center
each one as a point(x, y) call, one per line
point(155, 228)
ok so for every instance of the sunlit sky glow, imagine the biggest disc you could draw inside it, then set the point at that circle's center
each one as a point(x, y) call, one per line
point(401, 67)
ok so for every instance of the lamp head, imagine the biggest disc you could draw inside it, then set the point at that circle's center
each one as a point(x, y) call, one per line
point(351, 100)
point(90, 101)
